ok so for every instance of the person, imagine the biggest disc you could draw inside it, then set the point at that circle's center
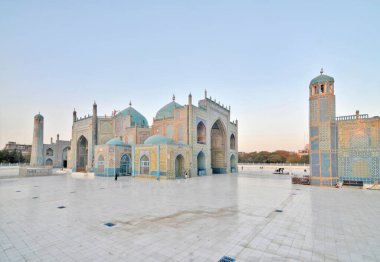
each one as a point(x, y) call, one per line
point(116, 176)
point(242, 168)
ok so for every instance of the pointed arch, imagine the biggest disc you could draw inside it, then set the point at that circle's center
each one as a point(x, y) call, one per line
point(201, 133)
point(82, 153)
point(232, 142)
point(218, 147)
point(144, 165)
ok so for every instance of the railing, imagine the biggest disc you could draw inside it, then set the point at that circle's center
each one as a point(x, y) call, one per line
point(274, 164)
point(352, 117)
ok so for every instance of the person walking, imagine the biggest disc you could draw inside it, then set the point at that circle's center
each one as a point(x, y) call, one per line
point(116, 175)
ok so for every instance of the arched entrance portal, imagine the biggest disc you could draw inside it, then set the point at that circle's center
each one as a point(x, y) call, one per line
point(82, 154)
point(233, 164)
point(124, 165)
point(218, 148)
point(201, 164)
point(179, 166)
point(64, 156)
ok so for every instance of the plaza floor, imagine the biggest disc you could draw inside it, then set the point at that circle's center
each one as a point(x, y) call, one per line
point(198, 219)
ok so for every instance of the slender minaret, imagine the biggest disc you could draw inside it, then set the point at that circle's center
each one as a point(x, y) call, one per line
point(36, 158)
point(323, 132)
point(94, 130)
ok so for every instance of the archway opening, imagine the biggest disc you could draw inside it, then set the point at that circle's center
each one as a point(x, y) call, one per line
point(179, 166)
point(124, 165)
point(232, 142)
point(49, 162)
point(233, 164)
point(201, 133)
point(64, 156)
point(218, 148)
point(82, 154)
point(201, 164)
point(49, 152)
point(144, 165)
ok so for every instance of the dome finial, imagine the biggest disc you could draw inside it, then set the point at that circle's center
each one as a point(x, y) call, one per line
point(321, 71)
point(173, 97)
point(130, 103)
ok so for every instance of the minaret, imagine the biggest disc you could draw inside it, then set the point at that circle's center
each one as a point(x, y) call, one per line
point(323, 132)
point(94, 129)
point(74, 116)
point(36, 158)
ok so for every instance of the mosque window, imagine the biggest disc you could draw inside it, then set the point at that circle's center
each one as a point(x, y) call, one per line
point(201, 133)
point(322, 89)
point(144, 165)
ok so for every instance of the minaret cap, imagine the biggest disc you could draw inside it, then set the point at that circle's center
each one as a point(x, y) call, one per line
point(321, 71)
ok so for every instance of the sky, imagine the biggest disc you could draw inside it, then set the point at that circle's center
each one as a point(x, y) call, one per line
point(256, 56)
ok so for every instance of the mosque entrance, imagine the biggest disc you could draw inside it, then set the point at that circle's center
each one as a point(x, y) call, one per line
point(179, 166)
point(49, 162)
point(124, 165)
point(82, 154)
point(64, 156)
point(218, 148)
point(233, 163)
point(201, 165)
point(144, 165)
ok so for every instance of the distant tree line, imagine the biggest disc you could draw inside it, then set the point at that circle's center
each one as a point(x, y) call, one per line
point(279, 156)
point(13, 156)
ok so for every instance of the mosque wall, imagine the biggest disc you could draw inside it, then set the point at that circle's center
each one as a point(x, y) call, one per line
point(359, 148)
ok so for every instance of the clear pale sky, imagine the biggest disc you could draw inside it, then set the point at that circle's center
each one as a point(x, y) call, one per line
point(257, 56)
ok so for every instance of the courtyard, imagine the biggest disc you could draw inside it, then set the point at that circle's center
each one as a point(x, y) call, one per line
point(250, 216)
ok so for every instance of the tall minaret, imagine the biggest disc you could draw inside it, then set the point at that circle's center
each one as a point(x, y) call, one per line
point(94, 130)
point(36, 158)
point(323, 132)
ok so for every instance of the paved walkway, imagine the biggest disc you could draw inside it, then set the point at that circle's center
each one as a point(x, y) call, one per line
point(198, 219)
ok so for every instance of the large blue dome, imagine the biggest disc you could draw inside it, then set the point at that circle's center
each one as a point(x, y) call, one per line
point(137, 119)
point(158, 140)
point(116, 142)
point(168, 110)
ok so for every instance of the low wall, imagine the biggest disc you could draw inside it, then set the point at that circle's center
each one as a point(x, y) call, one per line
point(35, 171)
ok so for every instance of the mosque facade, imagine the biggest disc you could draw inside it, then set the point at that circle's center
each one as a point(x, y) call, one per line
point(343, 149)
point(182, 140)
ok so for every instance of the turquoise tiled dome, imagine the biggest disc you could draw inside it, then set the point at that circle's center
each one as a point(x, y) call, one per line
point(168, 110)
point(137, 119)
point(116, 142)
point(321, 78)
point(157, 139)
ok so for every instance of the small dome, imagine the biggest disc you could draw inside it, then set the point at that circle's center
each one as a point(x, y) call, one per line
point(137, 119)
point(116, 142)
point(168, 110)
point(39, 116)
point(157, 139)
point(321, 78)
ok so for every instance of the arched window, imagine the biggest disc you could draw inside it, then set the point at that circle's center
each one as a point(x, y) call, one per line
point(49, 152)
point(144, 165)
point(232, 142)
point(49, 162)
point(201, 133)
point(124, 165)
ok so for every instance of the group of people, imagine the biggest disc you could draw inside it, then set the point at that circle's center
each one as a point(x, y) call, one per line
point(280, 170)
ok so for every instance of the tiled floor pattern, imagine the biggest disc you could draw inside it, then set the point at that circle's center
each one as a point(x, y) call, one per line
point(198, 219)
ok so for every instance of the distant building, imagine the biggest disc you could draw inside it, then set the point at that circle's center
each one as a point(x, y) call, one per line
point(346, 148)
point(53, 154)
point(24, 149)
